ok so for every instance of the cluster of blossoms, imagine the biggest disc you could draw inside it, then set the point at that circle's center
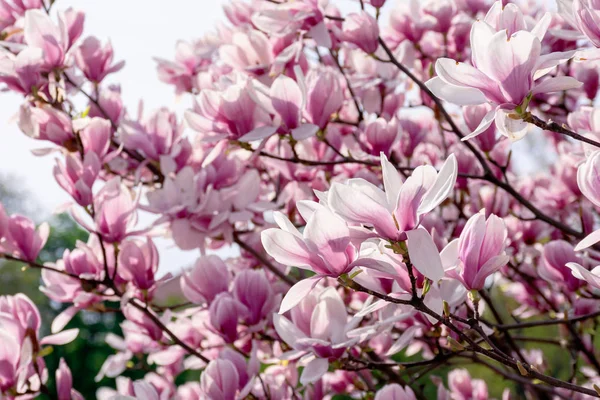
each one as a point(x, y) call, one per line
point(357, 163)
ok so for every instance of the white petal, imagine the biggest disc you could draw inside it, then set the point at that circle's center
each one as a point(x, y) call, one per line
point(314, 370)
point(63, 337)
point(462, 96)
point(298, 292)
point(589, 240)
point(424, 254)
point(442, 187)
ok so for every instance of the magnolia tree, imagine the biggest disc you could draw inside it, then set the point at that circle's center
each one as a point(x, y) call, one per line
point(357, 163)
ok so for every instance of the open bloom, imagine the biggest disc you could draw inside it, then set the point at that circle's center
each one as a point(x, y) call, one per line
point(324, 247)
point(505, 72)
point(325, 336)
point(401, 207)
point(95, 61)
point(479, 252)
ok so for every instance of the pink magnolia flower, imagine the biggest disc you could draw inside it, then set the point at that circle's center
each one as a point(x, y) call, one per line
point(141, 390)
point(249, 51)
point(327, 338)
point(95, 61)
point(77, 178)
point(580, 272)
point(190, 60)
point(54, 40)
point(138, 263)
point(556, 255)
point(47, 123)
point(362, 30)
point(479, 252)
point(505, 85)
point(409, 22)
point(207, 278)
point(582, 15)
point(96, 137)
point(230, 113)
point(239, 12)
point(64, 383)
point(381, 135)
point(324, 247)
point(377, 3)
point(10, 354)
point(462, 387)
point(22, 312)
point(115, 212)
point(84, 262)
point(401, 206)
point(288, 99)
point(473, 116)
point(290, 17)
point(22, 73)
point(22, 239)
point(225, 312)
point(252, 289)
point(111, 103)
point(324, 96)
point(156, 135)
point(220, 380)
point(395, 392)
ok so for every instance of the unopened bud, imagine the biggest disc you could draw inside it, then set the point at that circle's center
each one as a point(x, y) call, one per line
point(522, 369)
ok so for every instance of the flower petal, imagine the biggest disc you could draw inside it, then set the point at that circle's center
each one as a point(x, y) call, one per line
point(424, 254)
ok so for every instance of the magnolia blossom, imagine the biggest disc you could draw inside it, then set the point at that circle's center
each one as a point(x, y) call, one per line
point(325, 247)
point(325, 338)
point(478, 253)
point(506, 85)
point(396, 213)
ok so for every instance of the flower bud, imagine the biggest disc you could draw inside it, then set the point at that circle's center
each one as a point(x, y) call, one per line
point(219, 380)
point(395, 392)
point(23, 239)
point(94, 60)
point(138, 262)
point(96, 136)
point(225, 312)
point(205, 280)
point(481, 250)
point(381, 135)
point(253, 290)
point(362, 30)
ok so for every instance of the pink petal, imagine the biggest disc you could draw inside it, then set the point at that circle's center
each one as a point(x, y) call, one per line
point(314, 370)
point(63, 337)
point(298, 292)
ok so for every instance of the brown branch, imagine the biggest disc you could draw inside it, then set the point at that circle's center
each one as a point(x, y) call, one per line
point(266, 263)
point(557, 128)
